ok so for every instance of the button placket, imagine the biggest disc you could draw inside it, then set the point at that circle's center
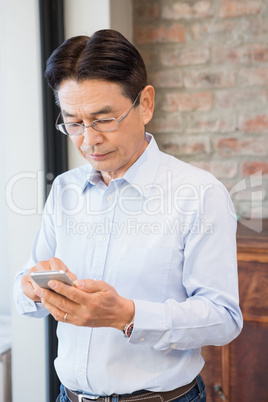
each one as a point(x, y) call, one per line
point(105, 222)
point(110, 198)
point(80, 369)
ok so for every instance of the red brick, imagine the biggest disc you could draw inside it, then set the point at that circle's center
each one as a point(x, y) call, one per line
point(161, 34)
point(211, 123)
point(254, 76)
point(242, 54)
point(178, 10)
point(231, 54)
point(251, 167)
point(184, 102)
point(240, 98)
point(149, 56)
point(231, 31)
point(209, 79)
point(166, 79)
point(184, 57)
point(220, 169)
point(255, 123)
point(166, 124)
point(236, 8)
point(224, 169)
point(146, 10)
point(257, 26)
point(243, 146)
point(201, 164)
point(259, 53)
point(179, 145)
point(204, 30)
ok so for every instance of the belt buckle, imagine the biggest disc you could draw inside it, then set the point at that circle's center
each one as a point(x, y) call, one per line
point(82, 397)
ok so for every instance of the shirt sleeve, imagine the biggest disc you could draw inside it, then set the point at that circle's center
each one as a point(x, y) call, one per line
point(43, 249)
point(210, 315)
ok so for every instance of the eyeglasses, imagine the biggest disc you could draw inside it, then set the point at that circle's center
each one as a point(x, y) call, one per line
point(101, 125)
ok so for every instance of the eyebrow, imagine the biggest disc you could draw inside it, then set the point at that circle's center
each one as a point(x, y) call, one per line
point(104, 110)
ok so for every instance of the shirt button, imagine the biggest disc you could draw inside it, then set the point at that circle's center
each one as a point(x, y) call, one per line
point(102, 238)
point(80, 369)
point(142, 339)
point(173, 346)
point(110, 197)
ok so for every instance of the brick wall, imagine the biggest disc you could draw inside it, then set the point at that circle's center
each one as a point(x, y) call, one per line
point(208, 61)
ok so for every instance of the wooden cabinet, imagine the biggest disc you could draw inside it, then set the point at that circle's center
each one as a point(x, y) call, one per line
point(238, 372)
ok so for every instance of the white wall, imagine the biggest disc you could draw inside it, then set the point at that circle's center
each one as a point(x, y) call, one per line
point(21, 151)
point(121, 17)
point(84, 17)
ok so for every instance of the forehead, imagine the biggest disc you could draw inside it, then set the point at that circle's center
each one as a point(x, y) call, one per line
point(75, 93)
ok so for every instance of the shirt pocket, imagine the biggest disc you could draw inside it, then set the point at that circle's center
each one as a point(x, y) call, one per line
point(143, 273)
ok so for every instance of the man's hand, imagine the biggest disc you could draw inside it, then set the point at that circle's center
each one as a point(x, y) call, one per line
point(29, 285)
point(90, 303)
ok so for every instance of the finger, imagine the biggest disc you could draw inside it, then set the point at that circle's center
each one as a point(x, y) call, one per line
point(59, 305)
point(72, 276)
point(91, 286)
point(57, 313)
point(28, 288)
point(56, 264)
point(41, 266)
point(69, 292)
point(53, 299)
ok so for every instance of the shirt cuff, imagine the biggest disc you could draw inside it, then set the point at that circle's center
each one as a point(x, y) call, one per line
point(26, 306)
point(151, 321)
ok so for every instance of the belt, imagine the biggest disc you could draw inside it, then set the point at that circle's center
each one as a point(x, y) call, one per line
point(142, 395)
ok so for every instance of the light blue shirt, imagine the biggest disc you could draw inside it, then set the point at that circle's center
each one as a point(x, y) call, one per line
point(164, 236)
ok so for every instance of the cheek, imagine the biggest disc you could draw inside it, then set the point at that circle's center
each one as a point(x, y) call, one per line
point(77, 141)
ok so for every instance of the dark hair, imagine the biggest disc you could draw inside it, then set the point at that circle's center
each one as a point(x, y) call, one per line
point(107, 55)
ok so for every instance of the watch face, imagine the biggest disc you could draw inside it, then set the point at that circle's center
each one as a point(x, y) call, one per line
point(128, 330)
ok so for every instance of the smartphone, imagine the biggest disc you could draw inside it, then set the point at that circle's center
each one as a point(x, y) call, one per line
point(43, 277)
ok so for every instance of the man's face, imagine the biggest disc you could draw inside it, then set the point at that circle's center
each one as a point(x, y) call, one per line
point(114, 152)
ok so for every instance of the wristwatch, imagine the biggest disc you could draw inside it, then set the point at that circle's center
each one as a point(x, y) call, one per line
point(127, 331)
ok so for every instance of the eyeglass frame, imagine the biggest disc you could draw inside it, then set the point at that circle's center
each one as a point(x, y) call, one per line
point(94, 121)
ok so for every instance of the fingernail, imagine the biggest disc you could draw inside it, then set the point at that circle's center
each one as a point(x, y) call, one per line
point(80, 283)
point(52, 284)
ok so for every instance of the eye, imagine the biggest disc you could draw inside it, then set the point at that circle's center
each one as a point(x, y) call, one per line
point(71, 125)
point(103, 121)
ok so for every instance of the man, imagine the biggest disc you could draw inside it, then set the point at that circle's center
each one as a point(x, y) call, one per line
point(150, 240)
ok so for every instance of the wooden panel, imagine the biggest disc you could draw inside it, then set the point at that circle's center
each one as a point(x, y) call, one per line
point(253, 289)
point(241, 368)
point(251, 245)
point(225, 367)
point(249, 364)
point(211, 372)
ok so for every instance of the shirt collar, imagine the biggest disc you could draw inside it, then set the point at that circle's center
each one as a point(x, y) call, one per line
point(93, 177)
point(140, 175)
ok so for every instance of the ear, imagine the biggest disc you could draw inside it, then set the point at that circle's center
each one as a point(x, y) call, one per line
point(147, 103)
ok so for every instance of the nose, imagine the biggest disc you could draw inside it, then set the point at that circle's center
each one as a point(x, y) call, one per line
point(92, 137)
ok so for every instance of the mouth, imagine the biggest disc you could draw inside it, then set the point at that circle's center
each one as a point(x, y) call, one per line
point(98, 157)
